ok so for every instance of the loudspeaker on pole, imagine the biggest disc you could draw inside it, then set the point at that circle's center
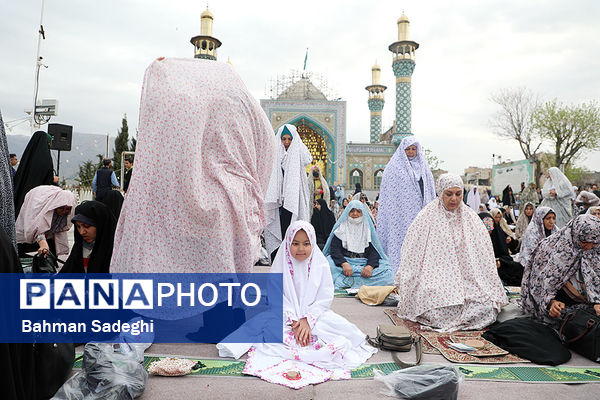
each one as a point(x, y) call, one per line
point(62, 136)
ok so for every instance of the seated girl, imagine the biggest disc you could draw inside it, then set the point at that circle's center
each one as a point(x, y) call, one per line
point(563, 273)
point(94, 236)
point(45, 219)
point(318, 344)
point(447, 277)
point(354, 252)
point(541, 226)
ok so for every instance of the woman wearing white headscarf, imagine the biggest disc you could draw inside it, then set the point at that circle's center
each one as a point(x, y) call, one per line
point(354, 251)
point(288, 197)
point(558, 193)
point(541, 226)
point(209, 214)
point(406, 187)
point(318, 344)
point(492, 203)
point(474, 199)
point(448, 277)
point(45, 219)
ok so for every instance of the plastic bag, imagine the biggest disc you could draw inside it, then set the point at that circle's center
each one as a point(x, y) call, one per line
point(431, 382)
point(110, 372)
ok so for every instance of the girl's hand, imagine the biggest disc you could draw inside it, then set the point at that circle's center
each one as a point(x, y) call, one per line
point(302, 332)
point(367, 271)
point(346, 269)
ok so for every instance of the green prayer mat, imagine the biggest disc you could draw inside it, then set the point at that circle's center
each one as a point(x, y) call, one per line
point(531, 374)
point(342, 293)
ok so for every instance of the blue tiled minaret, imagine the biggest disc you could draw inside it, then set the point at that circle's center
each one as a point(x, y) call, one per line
point(376, 102)
point(403, 65)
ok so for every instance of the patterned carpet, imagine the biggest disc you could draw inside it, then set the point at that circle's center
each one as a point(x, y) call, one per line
point(437, 343)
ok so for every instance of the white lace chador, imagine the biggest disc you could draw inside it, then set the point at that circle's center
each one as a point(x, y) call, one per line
point(337, 346)
point(288, 187)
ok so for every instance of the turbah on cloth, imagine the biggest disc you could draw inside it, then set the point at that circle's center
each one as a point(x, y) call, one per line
point(474, 199)
point(204, 211)
point(534, 233)
point(561, 203)
point(7, 210)
point(337, 346)
point(288, 187)
point(37, 216)
point(105, 223)
point(447, 277)
point(400, 198)
point(523, 221)
point(356, 239)
point(555, 261)
point(35, 168)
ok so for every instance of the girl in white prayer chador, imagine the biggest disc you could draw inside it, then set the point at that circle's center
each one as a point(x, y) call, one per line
point(318, 344)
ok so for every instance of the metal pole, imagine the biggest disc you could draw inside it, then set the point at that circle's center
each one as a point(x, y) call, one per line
point(107, 145)
point(36, 70)
point(58, 164)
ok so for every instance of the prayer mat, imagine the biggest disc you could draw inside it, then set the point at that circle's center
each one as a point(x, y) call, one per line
point(532, 374)
point(488, 355)
point(342, 293)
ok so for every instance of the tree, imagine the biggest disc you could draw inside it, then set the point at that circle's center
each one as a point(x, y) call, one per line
point(87, 170)
point(121, 143)
point(513, 121)
point(571, 129)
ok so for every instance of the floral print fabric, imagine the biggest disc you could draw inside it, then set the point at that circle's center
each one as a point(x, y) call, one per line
point(400, 198)
point(204, 155)
point(448, 277)
point(534, 234)
point(555, 261)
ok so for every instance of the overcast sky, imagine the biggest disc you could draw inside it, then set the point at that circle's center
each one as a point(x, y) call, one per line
point(97, 51)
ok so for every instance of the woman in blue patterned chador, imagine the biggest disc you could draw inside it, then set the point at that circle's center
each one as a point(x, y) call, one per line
point(354, 251)
point(406, 187)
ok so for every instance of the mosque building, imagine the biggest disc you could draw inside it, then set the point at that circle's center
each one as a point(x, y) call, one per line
point(321, 121)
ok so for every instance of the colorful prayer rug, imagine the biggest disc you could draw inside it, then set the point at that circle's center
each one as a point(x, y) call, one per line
point(440, 341)
point(437, 343)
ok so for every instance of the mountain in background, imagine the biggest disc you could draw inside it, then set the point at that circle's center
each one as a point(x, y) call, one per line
point(83, 148)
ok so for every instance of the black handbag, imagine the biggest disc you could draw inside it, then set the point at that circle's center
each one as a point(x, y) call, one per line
point(581, 330)
point(53, 365)
point(44, 262)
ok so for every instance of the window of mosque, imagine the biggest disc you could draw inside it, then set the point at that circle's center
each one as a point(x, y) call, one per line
point(378, 176)
point(316, 146)
point(356, 176)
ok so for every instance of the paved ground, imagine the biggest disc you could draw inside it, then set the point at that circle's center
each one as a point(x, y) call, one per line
point(367, 318)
